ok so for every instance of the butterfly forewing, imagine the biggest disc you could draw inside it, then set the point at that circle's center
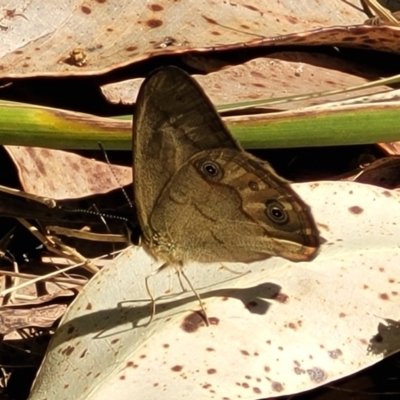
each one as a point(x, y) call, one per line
point(173, 120)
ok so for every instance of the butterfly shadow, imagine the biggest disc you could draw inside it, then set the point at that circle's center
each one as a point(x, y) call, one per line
point(255, 299)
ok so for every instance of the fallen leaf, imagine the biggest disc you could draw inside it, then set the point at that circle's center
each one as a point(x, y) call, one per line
point(278, 75)
point(276, 327)
point(61, 174)
point(75, 38)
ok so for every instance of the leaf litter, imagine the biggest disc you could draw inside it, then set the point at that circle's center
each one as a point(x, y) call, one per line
point(271, 329)
point(304, 29)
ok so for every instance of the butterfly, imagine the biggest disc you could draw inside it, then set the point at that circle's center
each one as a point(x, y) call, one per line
point(199, 195)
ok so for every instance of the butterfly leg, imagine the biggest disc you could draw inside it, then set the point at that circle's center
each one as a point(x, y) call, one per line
point(181, 272)
point(153, 300)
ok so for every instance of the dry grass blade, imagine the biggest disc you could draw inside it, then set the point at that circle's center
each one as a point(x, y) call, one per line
point(51, 203)
point(54, 245)
point(42, 278)
point(97, 237)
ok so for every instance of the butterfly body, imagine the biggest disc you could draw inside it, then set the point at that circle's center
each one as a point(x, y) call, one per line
point(199, 195)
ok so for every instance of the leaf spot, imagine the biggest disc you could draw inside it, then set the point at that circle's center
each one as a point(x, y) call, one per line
point(356, 210)
point(86, 10)
point(155, 7)
point(154, 23)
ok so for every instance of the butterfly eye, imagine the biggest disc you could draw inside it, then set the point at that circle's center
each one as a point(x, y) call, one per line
point(210, 169)
point(275, 211)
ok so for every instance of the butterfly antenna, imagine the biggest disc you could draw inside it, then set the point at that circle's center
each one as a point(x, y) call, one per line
point(103, 220)
point(97, 211)
point(114, 174)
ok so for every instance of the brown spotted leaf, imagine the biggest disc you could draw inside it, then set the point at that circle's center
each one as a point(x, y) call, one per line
point(281, 74)
point(60, 175)
point(276, 327)
point(384, 172)
point(92, 37)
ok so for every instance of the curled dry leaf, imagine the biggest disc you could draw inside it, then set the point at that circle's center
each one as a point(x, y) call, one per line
point(38, 38)
point(281, 74)
point(276, 327)
point(384, 172)
point(41, 312)
point(12, 319)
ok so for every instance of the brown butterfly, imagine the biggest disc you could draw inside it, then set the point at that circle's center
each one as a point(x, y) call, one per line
point(199, 195)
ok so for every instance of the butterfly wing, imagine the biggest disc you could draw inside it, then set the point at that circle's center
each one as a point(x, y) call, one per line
point(226, 205)
point(173, 120)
